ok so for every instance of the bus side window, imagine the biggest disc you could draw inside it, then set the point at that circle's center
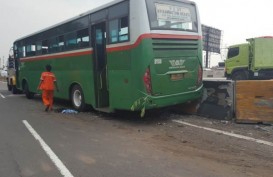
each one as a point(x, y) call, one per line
point(83, 38)
point(124, 29)
point(70, 41)
point(118, 23)
point(119, 30)
point(44, 47)
point(113, 29)
point(61, 43)
point(30, 50)
point(39, 48)
point(53, 45)
point(22, 51)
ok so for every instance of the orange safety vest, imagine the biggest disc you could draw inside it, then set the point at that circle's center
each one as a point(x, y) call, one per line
point(48, 79)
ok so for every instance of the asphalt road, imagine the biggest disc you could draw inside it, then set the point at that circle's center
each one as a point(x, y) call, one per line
point(34, 143)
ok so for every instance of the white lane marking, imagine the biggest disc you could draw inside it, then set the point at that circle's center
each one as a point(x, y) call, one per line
point(15, 95)
point(4, 82)
point(61, 167)
point(2, 95)
point(227, 133)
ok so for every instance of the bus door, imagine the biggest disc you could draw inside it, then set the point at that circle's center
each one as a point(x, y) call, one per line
point(100, 64)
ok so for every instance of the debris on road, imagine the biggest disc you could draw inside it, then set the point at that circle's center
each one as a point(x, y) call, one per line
point(69, 111)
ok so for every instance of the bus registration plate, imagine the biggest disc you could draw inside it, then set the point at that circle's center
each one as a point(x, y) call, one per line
point(175, 77)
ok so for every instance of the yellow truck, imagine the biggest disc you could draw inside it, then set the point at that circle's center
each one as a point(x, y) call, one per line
point(11, 76)
point(250, 61)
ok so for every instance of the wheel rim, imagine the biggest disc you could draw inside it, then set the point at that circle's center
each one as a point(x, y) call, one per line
point(77, 97)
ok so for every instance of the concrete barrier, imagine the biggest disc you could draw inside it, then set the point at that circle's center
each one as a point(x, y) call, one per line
point(218, 99)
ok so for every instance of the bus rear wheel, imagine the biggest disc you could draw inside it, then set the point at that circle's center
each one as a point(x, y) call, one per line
point(77, 98)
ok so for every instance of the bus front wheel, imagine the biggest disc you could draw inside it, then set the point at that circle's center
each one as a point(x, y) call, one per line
point(77, 98)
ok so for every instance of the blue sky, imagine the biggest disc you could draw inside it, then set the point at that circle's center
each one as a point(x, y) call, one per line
point(238, 19)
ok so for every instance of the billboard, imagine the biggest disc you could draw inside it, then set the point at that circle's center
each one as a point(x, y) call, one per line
point(211, 39)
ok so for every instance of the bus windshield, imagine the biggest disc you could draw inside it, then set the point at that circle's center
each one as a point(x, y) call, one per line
point(172, 15)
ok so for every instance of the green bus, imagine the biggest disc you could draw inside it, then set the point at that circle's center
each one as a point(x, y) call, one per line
point(124, 53)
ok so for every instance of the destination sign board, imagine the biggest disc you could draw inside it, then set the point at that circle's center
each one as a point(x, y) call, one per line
point(172, 13)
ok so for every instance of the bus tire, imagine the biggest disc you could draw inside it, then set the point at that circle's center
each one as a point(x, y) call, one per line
point(239, 75)
point(77, 98)
point(29, 94)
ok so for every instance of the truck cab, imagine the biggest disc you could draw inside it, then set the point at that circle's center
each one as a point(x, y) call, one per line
point(237, 62)
point(253, 60)
point(11, 75)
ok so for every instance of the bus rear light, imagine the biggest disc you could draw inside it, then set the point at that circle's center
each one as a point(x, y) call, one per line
point(200, 76)
point(147, 81)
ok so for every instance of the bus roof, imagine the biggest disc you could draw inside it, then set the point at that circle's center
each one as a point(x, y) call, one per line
point(84, 14)
point(73, 18)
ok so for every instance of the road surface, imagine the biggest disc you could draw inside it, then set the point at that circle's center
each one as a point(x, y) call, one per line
point(35, 143)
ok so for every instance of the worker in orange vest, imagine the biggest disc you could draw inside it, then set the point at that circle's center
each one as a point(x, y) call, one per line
point(47, 83)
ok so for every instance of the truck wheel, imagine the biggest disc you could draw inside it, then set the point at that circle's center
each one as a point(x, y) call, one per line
point(77, 98)
point(29, 94)
point(239, 75)
point(9, 87)
point(14, 89)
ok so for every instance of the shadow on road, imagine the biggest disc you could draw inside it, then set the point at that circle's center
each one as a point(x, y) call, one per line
point(155, 116)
